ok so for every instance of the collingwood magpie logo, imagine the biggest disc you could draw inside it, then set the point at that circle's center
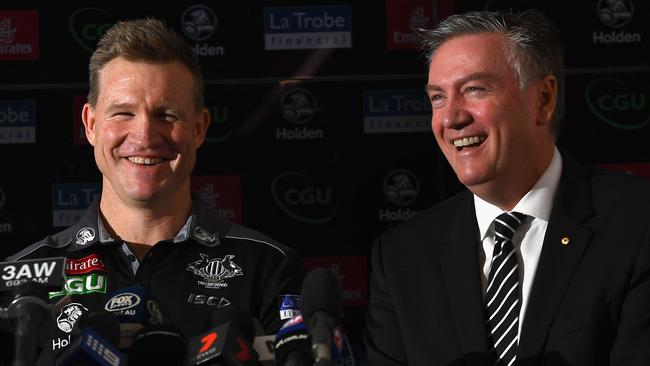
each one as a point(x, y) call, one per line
point(85, 235)
point(214, 271)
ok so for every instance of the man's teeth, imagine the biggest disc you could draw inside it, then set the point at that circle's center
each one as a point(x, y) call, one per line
point(145, 161)
point(466, 141)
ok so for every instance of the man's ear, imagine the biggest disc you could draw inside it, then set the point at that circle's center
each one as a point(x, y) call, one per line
point(546, 99)
point(88, 118)
point(201, 128)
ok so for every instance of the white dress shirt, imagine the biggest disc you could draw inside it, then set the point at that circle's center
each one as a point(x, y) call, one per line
point(528, 238)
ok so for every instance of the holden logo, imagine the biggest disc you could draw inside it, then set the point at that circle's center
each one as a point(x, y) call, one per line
point(298, 106)
point(618, 104)
point(615, 13)
point(304, 198)
point(199, 22)
point(401, 187)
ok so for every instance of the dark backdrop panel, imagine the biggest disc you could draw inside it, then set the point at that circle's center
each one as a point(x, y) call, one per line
point(326, 178)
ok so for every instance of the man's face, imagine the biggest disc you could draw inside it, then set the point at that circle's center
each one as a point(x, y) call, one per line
point(145, 129)
point(490, 131)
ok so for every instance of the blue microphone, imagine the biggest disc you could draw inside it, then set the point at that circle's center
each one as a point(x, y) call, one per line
point(91, 349)
point(135, 308)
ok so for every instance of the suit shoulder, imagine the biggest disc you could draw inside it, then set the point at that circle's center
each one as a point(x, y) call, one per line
point(619, 188)
point(50, 246)
point(439, 215)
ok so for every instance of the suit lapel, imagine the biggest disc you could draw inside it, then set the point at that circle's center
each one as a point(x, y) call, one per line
point(461, 276)
point(557, 261)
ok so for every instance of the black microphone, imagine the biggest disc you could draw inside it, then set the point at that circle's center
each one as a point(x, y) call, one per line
point(27, 312)
point(105, 323)
point(292, 344)
point(228, 344)
point(158, 344)
point(322, 302)
point(135, 308)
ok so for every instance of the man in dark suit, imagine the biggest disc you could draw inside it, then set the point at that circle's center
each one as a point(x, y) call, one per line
point(569, 281)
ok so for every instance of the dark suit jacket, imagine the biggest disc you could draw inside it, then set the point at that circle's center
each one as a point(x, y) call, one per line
point(590, 300)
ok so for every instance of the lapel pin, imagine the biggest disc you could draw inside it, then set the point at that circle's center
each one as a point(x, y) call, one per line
point(565, 241)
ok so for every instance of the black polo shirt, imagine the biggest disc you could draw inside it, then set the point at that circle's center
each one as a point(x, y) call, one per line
point(210, 264)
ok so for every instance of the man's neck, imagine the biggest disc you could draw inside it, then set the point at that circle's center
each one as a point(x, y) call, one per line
point(144, 225)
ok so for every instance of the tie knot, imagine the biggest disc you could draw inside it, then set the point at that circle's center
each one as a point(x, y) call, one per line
point(506, 224)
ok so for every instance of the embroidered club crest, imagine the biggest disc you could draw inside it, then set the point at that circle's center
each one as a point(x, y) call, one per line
point(215, 271)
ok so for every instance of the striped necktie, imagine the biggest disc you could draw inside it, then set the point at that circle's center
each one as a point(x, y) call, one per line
point(502, 294)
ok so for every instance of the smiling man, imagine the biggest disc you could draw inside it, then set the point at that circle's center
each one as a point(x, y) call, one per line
point(541, 260)
point(145, 119)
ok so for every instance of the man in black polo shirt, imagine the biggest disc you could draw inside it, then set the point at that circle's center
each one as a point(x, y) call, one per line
point(145, 118)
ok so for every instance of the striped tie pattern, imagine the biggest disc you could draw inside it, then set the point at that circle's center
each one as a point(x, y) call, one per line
point(503, 291)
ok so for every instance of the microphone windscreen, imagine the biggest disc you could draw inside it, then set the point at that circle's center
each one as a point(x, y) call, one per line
point(321, 291)
point(104, 323)
point(239, 319)
point(292, 343)
point(158, 344)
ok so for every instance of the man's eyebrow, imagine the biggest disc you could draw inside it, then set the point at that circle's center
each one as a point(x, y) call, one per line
point(118, 105)
point(463, 80)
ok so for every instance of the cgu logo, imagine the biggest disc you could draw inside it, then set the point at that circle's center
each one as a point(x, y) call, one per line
point(617, 104)
point(221, 128)
point(122, 301)
point(303, 198)
point(76, 285)
point(87, 25)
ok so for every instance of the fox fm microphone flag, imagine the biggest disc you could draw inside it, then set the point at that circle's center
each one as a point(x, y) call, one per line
point(135, 308)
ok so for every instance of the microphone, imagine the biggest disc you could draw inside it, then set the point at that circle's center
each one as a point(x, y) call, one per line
point(158, 344)
point(322, 302)
point(134, 308)
point(292, 344)
point(91, 349)
point(48, 272)
point(103, 323)
point(227, 344)
point(29, 311)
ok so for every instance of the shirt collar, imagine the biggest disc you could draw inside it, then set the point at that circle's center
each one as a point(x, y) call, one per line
point(537, 203)
point(206, 236)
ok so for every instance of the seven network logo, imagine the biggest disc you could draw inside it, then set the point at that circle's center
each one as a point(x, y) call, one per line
point(615, 14)
point(199, 24)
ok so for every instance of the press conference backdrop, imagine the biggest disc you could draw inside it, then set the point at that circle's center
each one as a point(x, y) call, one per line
point(320, 134)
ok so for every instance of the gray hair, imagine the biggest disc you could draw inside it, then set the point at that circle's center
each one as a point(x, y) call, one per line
point(534, 45)
point(148, 40)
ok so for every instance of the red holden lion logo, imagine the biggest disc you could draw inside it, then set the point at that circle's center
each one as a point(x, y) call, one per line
point(215, 271)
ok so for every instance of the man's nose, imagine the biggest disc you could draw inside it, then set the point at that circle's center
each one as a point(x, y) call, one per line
point(455, 114)
point(146, 130)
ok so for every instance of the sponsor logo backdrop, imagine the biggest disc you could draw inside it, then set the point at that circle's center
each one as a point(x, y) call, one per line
point(320, 135)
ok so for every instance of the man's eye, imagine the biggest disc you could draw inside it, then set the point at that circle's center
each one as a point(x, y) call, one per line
point(171, 117)
point(122, 114)
point(473, 90)
point(437, 100)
